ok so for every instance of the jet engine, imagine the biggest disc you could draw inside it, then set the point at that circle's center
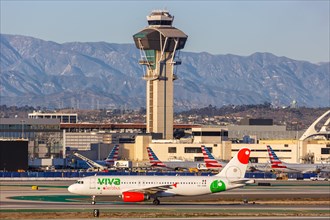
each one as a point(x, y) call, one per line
point(134, 197)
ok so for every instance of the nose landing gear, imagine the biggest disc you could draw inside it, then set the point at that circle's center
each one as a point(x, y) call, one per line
point(93, 200)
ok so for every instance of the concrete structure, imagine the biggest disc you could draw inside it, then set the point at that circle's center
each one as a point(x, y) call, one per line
point(290, 151)
point(158, 44)
point(324, 131)
point(209, 135)
point(133, 145)
point(44, 135)
point(64, 117)
point(261, 132)
point(84, 140)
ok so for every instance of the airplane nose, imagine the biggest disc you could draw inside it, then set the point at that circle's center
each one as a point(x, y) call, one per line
point(71, 188)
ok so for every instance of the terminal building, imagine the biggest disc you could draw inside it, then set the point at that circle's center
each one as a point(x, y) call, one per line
point(64, 117)
point(44, 136)
point(133, 145)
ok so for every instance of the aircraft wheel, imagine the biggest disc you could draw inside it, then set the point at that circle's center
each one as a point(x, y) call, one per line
point(156, 202)
point(93, 200)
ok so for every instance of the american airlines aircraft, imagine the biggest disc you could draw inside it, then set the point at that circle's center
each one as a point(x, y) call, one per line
point(212, 163)
point(140, 188)
point(278, 165)
point(174, 165)
point(101, 164)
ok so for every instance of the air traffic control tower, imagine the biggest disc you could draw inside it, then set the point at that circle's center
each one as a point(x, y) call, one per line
point(158, 44)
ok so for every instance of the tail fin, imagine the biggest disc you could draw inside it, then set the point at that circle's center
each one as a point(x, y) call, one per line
point(154, 159)
point(274, 160)
point(236, 167)
point(209, 160)
point(113, 155)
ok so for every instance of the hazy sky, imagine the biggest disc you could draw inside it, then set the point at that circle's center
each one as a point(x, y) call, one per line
point(295, 29)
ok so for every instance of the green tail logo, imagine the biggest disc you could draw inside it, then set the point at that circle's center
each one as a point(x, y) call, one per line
point(217, 186)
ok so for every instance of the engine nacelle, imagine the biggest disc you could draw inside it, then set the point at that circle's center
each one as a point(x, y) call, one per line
point(134, 197)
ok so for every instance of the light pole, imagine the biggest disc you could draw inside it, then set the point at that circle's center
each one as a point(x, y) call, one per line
point(22, 135)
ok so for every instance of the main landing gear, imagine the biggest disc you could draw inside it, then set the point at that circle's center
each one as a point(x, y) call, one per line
point(156, 201)
point(93, 200)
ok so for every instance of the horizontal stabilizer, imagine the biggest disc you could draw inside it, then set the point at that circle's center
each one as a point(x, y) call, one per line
point(243, 181)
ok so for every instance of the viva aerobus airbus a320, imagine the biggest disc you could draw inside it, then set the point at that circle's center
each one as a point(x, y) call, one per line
point(140, 188)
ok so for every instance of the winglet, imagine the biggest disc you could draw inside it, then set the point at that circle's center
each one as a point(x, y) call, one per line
point(236, 167)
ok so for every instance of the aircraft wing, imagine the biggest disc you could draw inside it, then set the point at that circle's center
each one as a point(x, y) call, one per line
point(299, 170)
point(154, 189)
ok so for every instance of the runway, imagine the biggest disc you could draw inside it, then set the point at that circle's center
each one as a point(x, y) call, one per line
point(285, 198)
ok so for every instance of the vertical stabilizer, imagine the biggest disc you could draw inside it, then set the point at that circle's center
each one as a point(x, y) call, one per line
point(154, 159)
point(113, 155)
point(274, 160)
point(236, 167)
point(209, 160)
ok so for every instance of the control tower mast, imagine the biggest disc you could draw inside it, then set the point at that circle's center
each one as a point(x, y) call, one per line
point(158, 44)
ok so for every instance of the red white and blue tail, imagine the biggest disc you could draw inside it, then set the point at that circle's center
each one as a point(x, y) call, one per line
point(154, 159)
point(209, 160)
point(274, 160)
point(113, 155)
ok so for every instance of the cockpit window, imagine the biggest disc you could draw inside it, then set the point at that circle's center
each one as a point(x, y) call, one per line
point(80, 182)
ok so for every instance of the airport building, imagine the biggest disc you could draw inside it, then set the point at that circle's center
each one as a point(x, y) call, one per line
point(64, 117)
point(49, 139)
point(44, 135)
point(84, 140)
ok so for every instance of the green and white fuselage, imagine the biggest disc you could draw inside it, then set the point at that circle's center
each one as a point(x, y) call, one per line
point(174, 185)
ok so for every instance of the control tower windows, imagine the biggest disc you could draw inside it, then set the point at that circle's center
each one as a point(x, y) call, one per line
point(159, 22)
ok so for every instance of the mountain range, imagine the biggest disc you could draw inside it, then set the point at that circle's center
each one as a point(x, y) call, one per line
point(93, 75)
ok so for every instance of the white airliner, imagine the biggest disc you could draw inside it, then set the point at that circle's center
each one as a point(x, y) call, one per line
point(278, 165)
point(174, 165)
point(101, 165)
point(140, 188)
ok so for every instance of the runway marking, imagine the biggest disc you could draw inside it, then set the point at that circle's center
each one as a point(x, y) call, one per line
point(185, 210)
point(51, 198)
point(40, 186)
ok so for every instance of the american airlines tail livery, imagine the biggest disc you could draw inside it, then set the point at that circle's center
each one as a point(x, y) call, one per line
point(210, 161)
point(154, 161)
point(113, 156)
point(141, 188)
